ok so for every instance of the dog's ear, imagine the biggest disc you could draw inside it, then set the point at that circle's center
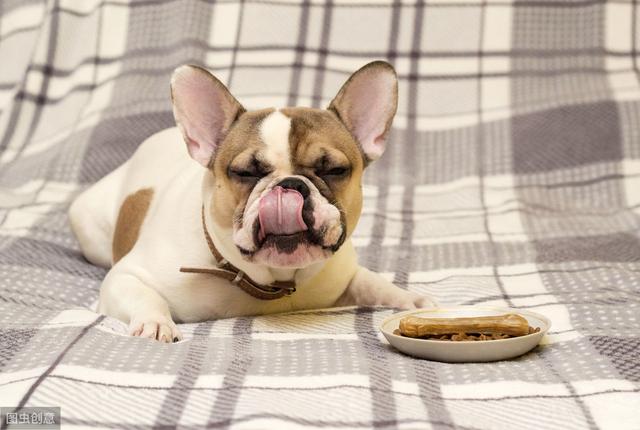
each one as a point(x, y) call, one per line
point(366, 104)
point(204, 110)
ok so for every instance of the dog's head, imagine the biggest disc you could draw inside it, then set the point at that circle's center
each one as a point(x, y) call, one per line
point(287, 181)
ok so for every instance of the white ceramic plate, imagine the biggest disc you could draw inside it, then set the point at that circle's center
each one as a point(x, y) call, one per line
point(470, 351)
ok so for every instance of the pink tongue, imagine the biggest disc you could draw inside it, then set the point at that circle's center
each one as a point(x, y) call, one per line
point(280, 212)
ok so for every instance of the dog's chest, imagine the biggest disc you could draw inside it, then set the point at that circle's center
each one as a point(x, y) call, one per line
point(172, 237)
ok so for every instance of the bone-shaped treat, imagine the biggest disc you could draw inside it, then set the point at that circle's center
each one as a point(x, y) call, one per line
point(510, 324)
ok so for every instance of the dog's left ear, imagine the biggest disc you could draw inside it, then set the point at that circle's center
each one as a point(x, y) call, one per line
point(204, 110)
point(366, 104)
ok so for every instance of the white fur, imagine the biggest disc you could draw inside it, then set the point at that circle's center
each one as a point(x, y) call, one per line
point(146, 288)
point(274, 131)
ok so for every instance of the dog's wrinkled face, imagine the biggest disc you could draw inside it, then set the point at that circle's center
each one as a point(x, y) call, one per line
point(287, 181)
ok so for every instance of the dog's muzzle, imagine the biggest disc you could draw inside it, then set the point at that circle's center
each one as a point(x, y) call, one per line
point(289, 223)
point(280, 210)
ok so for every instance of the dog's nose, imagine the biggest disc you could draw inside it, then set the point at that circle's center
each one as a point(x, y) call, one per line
point(295, 184)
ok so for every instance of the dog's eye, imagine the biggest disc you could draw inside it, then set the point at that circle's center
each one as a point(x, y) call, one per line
point(246, 175)
point(334, 172)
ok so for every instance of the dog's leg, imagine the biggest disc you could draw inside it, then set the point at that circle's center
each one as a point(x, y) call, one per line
point(126, 297)
point(92, 216)
point(371, 289)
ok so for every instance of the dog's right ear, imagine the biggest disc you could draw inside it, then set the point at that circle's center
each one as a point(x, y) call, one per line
point(366, 104)
point(204, 110)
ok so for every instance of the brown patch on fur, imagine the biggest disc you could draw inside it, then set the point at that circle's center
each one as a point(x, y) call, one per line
point(318, 136)
point(240, 148)
point(130, 218)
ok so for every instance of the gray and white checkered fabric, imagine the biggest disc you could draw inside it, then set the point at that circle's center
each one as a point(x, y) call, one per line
point(512, 178)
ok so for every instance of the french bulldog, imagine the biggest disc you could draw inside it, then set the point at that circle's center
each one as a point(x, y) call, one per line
point(254, 217)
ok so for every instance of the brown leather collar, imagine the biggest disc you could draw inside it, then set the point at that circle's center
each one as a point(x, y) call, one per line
point(237, 277)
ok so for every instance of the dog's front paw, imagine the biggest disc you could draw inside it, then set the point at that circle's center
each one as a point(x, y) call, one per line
point(410, 300)
point(425, 302)
point(157, 327)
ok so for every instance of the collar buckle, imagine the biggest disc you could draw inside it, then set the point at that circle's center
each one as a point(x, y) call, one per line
point(238, 277)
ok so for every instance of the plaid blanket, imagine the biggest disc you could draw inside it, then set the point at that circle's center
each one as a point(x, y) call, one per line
point(512, 178)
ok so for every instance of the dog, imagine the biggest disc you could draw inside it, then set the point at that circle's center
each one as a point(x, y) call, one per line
point(254, 217)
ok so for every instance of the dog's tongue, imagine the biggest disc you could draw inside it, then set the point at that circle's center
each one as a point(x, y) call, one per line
point(280, 212)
